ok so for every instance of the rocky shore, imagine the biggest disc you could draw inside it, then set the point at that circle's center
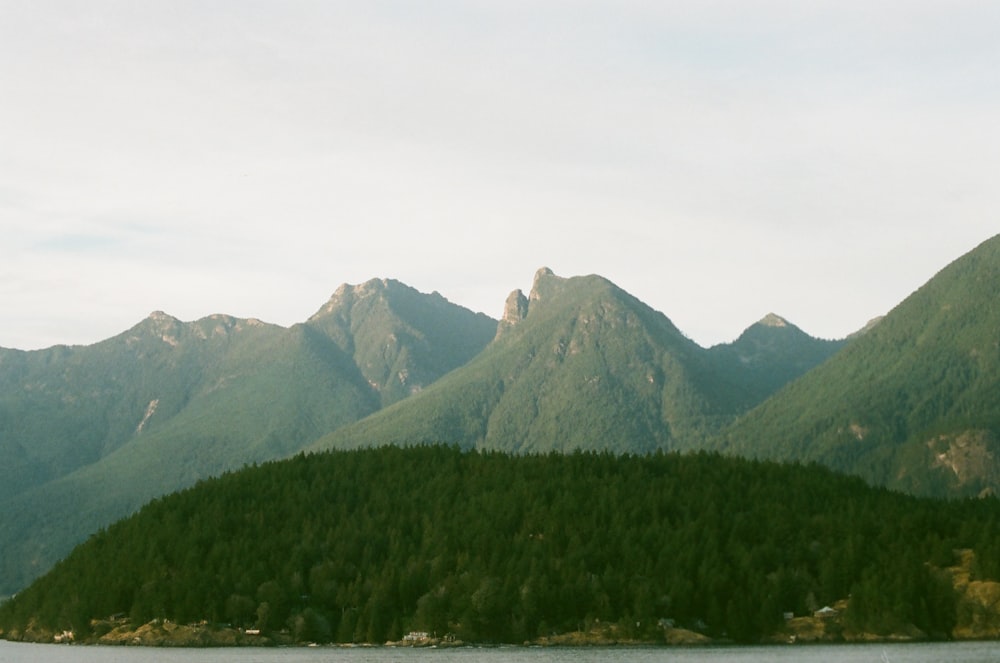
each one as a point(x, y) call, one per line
point(978, 618)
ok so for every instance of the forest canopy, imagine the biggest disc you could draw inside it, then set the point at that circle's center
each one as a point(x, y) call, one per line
point(365, 546)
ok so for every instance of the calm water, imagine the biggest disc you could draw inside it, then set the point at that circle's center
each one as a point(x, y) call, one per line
point(976, 652)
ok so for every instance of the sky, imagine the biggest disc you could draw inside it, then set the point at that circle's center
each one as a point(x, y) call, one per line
point(717, 159)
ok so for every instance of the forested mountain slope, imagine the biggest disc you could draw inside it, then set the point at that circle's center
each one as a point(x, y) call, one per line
point(89, 434)
point(401, 340)
point(582, 364)
point(66, 407)
point(914, 403)
point(769, 354)
point(367, 545)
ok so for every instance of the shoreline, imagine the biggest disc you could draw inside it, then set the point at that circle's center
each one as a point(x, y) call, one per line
point(799, 632)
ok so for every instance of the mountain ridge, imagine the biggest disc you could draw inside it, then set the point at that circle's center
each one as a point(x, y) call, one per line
point(912, 403)
point(92, 432)
point(577, 364)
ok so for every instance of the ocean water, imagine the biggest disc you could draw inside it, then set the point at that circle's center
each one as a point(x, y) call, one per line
point(965, 652)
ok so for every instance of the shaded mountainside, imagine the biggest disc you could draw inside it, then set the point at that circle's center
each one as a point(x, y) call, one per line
point(365, 546)
point(401, 340)
point(769, 354)
point(581, 364)
point(89, 434)
point(913, 404)
point(67, 407)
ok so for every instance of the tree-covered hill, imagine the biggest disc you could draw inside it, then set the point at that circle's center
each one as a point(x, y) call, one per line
point(367, 545)
point(88, 434)
point(769, 354)
point(914, 403)
point(582, 364)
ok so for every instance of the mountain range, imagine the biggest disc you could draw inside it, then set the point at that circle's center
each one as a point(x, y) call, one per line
point(90, 433)
point(579, 364)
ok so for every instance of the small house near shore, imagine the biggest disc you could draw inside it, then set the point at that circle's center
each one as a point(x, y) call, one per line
point(826, 612)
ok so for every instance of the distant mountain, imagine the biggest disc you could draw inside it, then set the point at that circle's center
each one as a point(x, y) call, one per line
point(769, 354)
point(913, 403)
point(88, 434)
point(400, 339)
point(66, 407)
point(581, 364)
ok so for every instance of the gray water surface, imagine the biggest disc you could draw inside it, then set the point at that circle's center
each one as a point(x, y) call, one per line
point(965, 652)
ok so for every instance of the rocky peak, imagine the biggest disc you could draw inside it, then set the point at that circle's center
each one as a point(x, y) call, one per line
point(545, 280)
point(163, 325)
point(371, 287)
point(346, 295)
point(773, 320)
point(160, 323)
point(515, 309)
point(160, 316)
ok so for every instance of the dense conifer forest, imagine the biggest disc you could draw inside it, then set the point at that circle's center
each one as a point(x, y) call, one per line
point(364, 546)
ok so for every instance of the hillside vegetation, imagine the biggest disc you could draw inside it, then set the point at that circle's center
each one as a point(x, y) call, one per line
point(368, 545)
point(582, 364)
point(912, 404)
point(89, 434)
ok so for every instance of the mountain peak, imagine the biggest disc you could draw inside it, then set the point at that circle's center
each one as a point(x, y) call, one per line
point(768, 329)
point(371, 286)
point(515, 309)
point(346, 294)
point(773, 320)
point(160, 316)
point(545, 280)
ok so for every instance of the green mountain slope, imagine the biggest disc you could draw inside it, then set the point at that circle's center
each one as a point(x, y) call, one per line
point(94, 432)
point(913, 404)
point(579, 364)
point(401, 340)
point(66, 407)
point(769, 354)
point(366, 546)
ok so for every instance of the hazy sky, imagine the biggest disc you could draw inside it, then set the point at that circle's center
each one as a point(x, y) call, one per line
point(719, 160)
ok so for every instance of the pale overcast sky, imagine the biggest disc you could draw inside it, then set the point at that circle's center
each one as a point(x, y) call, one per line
point(719, 160)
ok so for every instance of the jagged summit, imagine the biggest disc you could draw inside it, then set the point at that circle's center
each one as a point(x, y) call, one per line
point(580, 364)
point(346, 294)
point(545, 281)
point(217, 393)
point(515, 310)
